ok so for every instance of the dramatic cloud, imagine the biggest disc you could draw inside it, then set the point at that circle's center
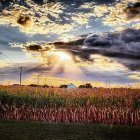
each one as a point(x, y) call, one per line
point(44, 17)
point(32, 17)
point(123, 13)
point(31, 71)
point(11, 71)
point(122, 46)
point(133, 11)
point(48, 34)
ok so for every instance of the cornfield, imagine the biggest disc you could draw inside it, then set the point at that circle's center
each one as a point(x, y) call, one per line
point(96, 105)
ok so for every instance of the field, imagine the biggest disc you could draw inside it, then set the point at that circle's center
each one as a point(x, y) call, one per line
point(32, 130)
point(120, 106)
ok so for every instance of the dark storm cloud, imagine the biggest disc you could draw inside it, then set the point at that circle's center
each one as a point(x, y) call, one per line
point(131, 36)
point(133, 11)
point(73, 1)
point(124, 46)
point(34, 47)
point(71, 44)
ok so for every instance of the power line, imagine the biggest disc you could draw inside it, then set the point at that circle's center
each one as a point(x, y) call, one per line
point(9, 58)
point(2, 58)
point(20, 68)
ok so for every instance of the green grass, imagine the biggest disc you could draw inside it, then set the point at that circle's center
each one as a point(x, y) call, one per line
point(29, 130)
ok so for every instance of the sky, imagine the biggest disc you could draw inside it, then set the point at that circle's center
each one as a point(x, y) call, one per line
point(70, 40)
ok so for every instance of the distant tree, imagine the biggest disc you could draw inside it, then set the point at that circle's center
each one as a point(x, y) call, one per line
point(82, 86)
point(33, 85)
point(63, 86)
point(15, 85)
point(45, 86)
point(88, 85)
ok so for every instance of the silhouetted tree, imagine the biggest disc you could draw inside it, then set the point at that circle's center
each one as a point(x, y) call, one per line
point(45, 86)
point(63, 86)
point(88, 85)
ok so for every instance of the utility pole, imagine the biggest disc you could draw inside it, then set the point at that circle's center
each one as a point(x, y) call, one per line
point(20, 74)
point(20, 68)
point(38, 79)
